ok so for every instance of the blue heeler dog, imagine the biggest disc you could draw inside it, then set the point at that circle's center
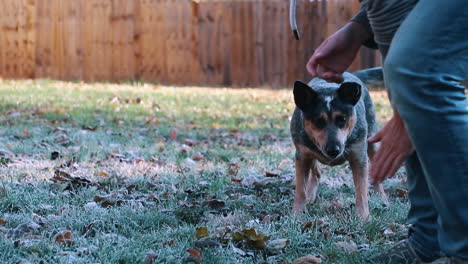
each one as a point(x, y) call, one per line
point(330, 125)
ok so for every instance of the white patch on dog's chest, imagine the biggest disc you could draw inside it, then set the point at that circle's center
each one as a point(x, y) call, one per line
point(328, 100)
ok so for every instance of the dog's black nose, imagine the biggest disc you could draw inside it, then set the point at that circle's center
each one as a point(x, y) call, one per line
point(333, 150)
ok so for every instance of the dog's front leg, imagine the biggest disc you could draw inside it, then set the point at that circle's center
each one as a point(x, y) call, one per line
point(303, 165)
point(360, 168)
point(312, 183)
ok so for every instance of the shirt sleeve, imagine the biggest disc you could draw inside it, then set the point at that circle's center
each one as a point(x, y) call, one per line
point(361, 18)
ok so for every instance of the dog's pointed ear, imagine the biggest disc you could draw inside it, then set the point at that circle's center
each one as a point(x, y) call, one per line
point(349, 92)
point(303, 95)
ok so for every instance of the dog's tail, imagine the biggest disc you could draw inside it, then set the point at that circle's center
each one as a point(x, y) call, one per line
point(372, 78)
point(292, 19)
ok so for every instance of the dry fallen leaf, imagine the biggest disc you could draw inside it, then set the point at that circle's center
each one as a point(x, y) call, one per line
point(401, 192)
point(278, 243)
point(102, 174)
point(197, 156)
point(308, 260)
point(306, 227)
point(348, 246)
point(173, 134)
point(253, 239)
point(271, 174)
point(24, 230)
point(233, 169)
point(201, 232)
point(64, 237)
point(2, 222)
point(207, 243)
point(150, 257)
point(195, 255)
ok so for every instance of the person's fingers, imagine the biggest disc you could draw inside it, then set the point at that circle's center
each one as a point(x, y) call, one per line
point(379, 170)
point(321, 71)
point(336, 78)
point(311, 66)
point(379, 164)
point(397, 163)
point(377, 137)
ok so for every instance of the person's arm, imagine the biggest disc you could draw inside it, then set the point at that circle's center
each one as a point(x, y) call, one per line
point(361, 18)
point(337, 52)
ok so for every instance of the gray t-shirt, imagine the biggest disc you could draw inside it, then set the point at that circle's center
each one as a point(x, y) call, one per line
point(384, 17)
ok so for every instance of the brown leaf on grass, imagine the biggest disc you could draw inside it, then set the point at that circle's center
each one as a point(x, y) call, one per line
point(195, 255)
point(102, 174)
point(24, 230)
point(184, 149)
point(64, 237)
point(306, 227)
point(401, 192)
point(108, 200)
point(215, 204)
point(54, 155)
point(207, 243)
point(88, 230)
point(238, 180)
point(169, 243)
point(64, 181)
point(253, 239)
point(278, 244)
point(311, 259)
point(271, 174)
point(25, 134)
point(337, 204)
point(348, 246)
point(90, 128)
point(173, 134)
point(197, 156)
point(190, 142)
point(233, 169)
point(62, 139)
point(150, 257)
point(201, 232)
point(2, 222)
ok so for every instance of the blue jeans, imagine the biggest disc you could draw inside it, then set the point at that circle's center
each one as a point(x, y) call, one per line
point(426, 61)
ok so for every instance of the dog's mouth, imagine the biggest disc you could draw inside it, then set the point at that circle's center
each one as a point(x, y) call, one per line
point(330, 157)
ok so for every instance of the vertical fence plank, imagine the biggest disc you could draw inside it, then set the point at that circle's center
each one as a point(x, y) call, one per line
point(215, 42)
point(97, 28)
point(9, 30)
point(259, 43)
point(123, 56)
point(152, 40)
point(72, 40)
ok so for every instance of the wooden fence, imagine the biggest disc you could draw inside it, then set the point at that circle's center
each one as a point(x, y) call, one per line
point(211, 42)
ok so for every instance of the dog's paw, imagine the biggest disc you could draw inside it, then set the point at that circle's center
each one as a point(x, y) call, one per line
point(311, 198)
point(363, 214)
point(298, 208)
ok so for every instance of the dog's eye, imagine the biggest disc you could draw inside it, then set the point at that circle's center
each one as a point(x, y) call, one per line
point(320, 123)
point(340, 121)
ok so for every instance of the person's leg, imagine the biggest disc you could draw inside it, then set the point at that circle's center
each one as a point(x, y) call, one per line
point(426, 61)
point(422, 214)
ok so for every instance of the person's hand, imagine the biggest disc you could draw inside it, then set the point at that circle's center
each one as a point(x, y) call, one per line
point(337, 52)
point(395, 148)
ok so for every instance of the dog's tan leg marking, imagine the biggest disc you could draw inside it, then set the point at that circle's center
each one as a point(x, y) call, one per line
point(303, 166)
point(312, 183)
point(360, 168)
point(371, 150)
point(360, 175)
